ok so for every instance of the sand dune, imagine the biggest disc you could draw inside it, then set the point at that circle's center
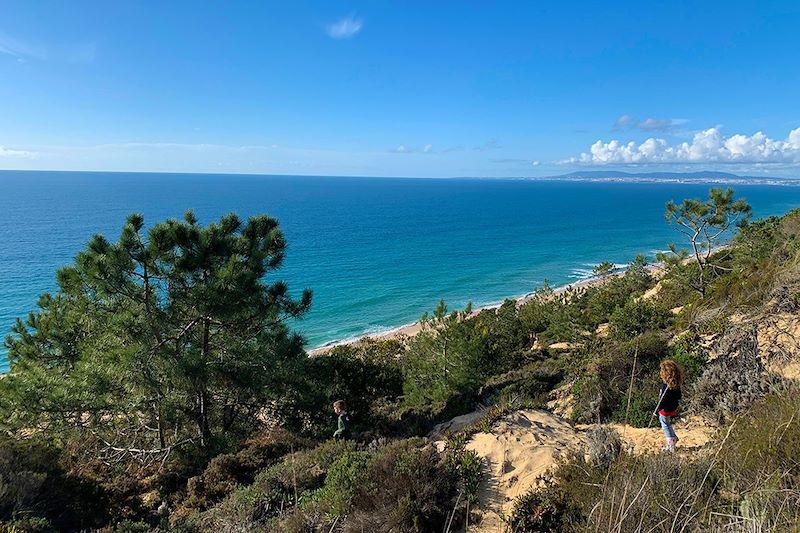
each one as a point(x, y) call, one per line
point(525, 445)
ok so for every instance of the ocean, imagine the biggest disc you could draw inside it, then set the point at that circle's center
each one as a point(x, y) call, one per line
point(377, 252)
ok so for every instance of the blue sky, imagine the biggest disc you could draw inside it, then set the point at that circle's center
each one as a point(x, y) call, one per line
point(400, 88)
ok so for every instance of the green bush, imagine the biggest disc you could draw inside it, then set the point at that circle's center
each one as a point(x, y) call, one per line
point(466, 466)
point(409, 487)
point(530, 384)
point(444, 362)
point(601, 388)
point(403, 486)
point(128, 526)
point(535, 314)
point(275, 491)
point(616, 292)
point(542, 510)
point(363, 375)
point(644, 398)
point(226, 472)
point(692, 362)
point(344, 479)
point(505, 341)
point(637, 317)
point(593, 398)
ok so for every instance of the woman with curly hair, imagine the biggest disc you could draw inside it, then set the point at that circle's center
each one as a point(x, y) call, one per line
point(669, 395)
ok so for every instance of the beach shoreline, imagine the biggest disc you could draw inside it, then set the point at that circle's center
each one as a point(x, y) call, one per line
point(409, 330)
point(413, 328)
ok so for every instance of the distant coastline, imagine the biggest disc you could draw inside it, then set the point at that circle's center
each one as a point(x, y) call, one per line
point(684, 178)
point(602, 176)
point(778, 182)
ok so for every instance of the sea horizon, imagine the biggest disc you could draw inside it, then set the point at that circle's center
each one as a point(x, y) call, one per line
point(377, 252)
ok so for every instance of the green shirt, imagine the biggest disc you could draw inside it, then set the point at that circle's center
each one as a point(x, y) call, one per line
point(344, 426)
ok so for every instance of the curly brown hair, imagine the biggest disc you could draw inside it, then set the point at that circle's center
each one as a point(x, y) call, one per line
point(671, 374)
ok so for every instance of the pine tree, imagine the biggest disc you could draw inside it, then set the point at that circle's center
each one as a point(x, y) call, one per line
point(166, 338)
point(705, 224)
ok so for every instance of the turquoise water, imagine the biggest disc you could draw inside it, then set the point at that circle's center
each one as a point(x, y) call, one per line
point(376, 252)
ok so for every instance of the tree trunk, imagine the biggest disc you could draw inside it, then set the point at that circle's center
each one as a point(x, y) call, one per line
point(700, 266)
point(204, 400)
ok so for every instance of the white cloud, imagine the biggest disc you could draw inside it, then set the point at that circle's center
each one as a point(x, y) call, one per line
point(19, 49)
point(536, 163)
point(70, 52)
point(344, 28)
point(428, 148)
point(401, 149)
point(659, 124)
point(624, 121)
point(706, 147)
point(648, 124)
point(23, 154)
point(491, 144)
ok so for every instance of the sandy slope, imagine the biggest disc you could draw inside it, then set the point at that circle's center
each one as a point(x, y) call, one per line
point(522, 446)
point(525, 445)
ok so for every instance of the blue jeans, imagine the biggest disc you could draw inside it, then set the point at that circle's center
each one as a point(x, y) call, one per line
point(666, 425)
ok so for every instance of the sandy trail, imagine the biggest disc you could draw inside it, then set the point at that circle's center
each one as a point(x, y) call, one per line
point(525, 445)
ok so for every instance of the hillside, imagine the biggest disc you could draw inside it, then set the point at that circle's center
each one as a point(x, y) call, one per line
point(533, 416)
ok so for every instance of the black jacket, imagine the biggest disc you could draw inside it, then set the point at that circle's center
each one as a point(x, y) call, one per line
point(669, 399)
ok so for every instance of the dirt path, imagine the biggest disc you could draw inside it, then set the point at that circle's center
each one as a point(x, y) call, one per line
point(524, 445)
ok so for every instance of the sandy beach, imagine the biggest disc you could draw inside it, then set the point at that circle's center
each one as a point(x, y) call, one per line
point(409, 330)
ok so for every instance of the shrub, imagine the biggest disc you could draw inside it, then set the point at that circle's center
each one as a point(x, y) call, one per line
point(637, 317)
point(677, 283)
point(531, 383)
point(644, 398)
point(543, 510)
point(758, 464)
point(444, 361)
point(274, 491)
point(729, 386)
point(227, 471)
point(403, 486)
point(344, 479)
point(505, 339)
point(408, 488)
point(593, 398)
point(601, 390)
point(467, 467)
point(38, 493)
point(761, 451)
point(604, 445)
point(567, 319)
point(128, 526)
point(365, 376)
point(26, 525)
point(535, 314)
point(644, 493)
point(693, 365)
point(614, 293)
